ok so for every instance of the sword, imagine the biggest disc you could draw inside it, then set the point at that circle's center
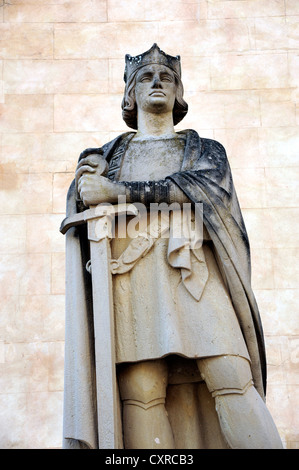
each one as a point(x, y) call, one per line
point(99, 221)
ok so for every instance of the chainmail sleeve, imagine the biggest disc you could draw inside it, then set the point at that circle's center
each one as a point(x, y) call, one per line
point(148, 192)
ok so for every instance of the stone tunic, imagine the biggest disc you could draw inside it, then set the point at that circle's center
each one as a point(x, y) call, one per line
point(155, 315)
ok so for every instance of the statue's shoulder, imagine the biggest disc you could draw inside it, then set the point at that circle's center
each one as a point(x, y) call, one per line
point(205, 147)
point(212, 146)
point(204, 143)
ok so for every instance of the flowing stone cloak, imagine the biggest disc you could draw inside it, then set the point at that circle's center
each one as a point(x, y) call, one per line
point(205, 177)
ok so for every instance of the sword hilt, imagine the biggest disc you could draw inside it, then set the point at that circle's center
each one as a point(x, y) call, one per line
point(97, 212)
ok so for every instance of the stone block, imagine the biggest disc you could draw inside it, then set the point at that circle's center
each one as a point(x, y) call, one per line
point(26, 113)
point(46, 153)
point(242, 147)
point(55, 366)
point(34, 359)
point(277, 309)
point(266, 300)
point(292, 371)
point(8, 309)
point(205, 38)
point(116, 73)
point(292, 26)
point(58, 273)
point(61, 183)
point(14, 379)
point(292, 7)
point(271, 33)
point(48, 11)
point(277, 108)
point(258, 226)
point(277, 357)
point(55, 76)
point(205, 111)
point(250, 185)
point(256, 71)
point(282, 187)
point(13, 414)
point(25, 193)
point(262, 268)
point(293, 60)
point(35, 414)
point(203, 10)
point(245, 8)
point(286, 270)
point(54, 318)
point(25, 274)
point(285, 301)
point(32, 318)
point(26, 41)
point(196, 73)
point(222, 110)
point(278, 403)
point(152, 11)
point(284, 227)
point(25, 322)
point(102, 40)
point(1, 82)
point(43, 234)
point(36, 275)
point(44, 419)
point(278, 147)
point(12, 234)
point(37, 360)
point(77, 113)
point(283, 114)
point(292, 428)
point(241, 109)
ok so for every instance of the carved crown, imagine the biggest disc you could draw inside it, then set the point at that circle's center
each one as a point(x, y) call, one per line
point(153, 56)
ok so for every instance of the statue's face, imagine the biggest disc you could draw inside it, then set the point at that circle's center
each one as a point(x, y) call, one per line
point(155, 89)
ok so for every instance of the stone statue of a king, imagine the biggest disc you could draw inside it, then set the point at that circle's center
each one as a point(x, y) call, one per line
point(188, 350)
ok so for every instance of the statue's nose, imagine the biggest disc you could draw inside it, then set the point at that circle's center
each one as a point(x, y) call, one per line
point(157, 83)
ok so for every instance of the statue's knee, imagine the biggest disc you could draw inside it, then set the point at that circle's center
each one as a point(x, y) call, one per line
point(226, 374)
point(143, 384)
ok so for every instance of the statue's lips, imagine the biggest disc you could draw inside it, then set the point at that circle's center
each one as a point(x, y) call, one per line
point(157, 93)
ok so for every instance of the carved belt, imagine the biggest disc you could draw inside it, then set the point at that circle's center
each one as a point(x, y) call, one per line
point(194, 271)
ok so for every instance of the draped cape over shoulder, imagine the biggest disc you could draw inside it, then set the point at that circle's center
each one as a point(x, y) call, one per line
point(205, 177)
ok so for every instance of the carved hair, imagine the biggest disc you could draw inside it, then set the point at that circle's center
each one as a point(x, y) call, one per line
point(129, 105)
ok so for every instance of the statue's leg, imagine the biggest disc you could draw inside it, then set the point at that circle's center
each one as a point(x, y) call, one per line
point(143, 391)
point(182, 409)
point(244, 418)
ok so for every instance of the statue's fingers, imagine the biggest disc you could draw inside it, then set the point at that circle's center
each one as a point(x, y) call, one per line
point(92, 160)
point(80, 184)
point(89, 151)
point(103, 167)
point(84, 169)
point(85, 177)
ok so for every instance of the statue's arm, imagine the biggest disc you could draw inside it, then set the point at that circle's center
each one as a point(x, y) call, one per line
point(94, 188)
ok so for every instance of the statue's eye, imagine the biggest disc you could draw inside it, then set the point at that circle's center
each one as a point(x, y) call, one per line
point(166, 78)
point(145, 78)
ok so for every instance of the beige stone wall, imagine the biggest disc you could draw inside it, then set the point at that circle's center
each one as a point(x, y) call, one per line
point(61, 66)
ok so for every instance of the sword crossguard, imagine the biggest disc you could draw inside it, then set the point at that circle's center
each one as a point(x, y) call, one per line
point(95, 213)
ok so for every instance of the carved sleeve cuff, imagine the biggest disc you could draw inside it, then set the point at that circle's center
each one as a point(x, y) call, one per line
point(148, 192)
